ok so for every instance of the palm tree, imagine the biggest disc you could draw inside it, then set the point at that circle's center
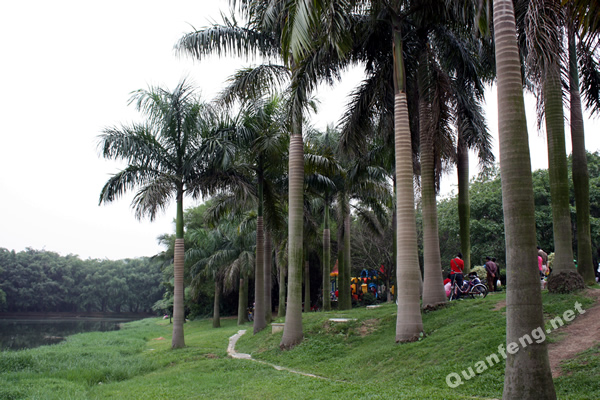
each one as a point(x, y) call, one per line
point(469, 61)
point(264, 143)
point(268, 276)
point(587, 15)
point(541, 22)
point(433, 287)
point(386, 23)
point(261, 142)
point(232, 207)
point(281, 261)
point(362, 190)
point(318, 184)
point(165, 159)
point(263, 36)
point(334, 27)
point(409, 324)
point(527, 373)
point(581, 178)
point(472, 133)
point(226, 255)
point(250, 186)
point(322, 174)
point(354, 183)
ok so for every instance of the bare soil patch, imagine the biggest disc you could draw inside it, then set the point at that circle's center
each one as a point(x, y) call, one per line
point(499, 305)
point(367, 327)
point(581, 334)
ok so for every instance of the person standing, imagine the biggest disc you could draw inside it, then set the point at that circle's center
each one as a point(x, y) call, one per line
point(492, 271)
point(542, 253)
point(498, 282)
point(457, 265)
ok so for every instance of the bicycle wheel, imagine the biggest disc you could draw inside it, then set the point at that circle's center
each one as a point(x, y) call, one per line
point(478, 291)
point(452, 293)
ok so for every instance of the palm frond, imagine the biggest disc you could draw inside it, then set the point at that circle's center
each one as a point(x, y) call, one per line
point(133, 144)
point(369, 220)
point(153, 197)
point(297, 32)
point(254, 83)
point(227, 40)
point(128, 179)
point(590, 77)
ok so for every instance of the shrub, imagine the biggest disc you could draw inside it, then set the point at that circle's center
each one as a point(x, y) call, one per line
point(481, 273)
point(550, 260)
point(565, 282)
point(368, 299)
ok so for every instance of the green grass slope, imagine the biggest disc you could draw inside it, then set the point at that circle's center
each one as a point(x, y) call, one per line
point(356, 359)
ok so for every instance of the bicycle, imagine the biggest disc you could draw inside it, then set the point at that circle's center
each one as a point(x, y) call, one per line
point(472, 287)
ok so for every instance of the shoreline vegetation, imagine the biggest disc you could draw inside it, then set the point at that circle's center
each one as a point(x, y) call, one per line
point(357, 359)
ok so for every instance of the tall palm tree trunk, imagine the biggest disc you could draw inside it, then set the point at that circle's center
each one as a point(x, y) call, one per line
point(433, 284)
point(259, 278)
point(216, 322)
point(326, 260)
point(178, 269)
point(558, 171)
point(260, 321)
point(581, 176)
point(344, 291)
point(464, 207)
point(281, 268)
point(392, 279)
point(527, 372)
point(340, 260)
point(243, 300)
point(409, 324)
point(344, 288)
point(268, 276)
point(306, 281)
point(292, 333)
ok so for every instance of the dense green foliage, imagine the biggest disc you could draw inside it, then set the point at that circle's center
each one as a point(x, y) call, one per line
point(356, 359)
point(43, 281)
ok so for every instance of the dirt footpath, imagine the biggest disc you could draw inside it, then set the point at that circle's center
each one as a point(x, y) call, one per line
point(581, 334)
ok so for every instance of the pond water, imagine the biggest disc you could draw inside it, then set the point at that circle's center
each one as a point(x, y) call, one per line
point(22, 333)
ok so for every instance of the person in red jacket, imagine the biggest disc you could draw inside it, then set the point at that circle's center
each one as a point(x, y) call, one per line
point(457, 265)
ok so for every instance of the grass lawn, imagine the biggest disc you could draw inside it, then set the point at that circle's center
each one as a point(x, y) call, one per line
point(356, 359)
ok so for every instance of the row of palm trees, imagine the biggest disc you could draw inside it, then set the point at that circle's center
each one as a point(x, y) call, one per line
point(425, 67)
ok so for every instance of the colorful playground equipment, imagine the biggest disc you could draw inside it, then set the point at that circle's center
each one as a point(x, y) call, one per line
point(369, 281)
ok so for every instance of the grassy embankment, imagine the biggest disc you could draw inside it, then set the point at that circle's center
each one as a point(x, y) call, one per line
point(357, 359)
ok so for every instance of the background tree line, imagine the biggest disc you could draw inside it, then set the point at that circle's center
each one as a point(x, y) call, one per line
point(487, 222)
point(371, 250)
point(43, 281)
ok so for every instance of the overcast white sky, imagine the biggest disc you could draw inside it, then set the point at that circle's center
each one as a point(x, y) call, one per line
point(67, 71)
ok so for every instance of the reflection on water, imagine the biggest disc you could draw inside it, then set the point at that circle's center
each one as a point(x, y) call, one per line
point(23, 333)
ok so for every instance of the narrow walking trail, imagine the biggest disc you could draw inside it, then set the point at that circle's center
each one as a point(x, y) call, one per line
point(580, 335)
point(234, 354)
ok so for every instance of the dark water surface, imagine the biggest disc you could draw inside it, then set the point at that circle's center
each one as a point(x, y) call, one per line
point(22, 333)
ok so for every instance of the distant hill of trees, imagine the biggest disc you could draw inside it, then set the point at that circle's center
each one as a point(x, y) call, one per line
point(43, 281)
